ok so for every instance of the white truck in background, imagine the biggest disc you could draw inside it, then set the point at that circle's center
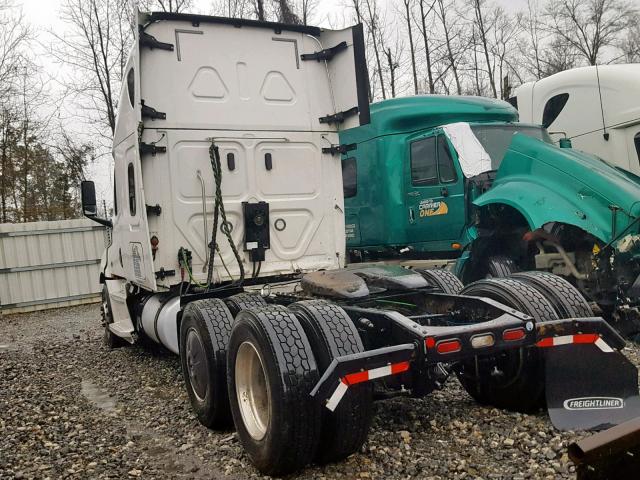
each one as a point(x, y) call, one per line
point(597, 108)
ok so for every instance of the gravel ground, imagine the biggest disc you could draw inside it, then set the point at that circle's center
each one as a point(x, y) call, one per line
point(71, 408)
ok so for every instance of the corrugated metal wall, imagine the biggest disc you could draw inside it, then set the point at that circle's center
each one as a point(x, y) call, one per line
point(49, 264)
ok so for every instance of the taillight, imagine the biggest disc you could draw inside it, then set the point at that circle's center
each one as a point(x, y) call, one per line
point(448, 346)
point(482, 341)
point(429, 342)
point(513, 335)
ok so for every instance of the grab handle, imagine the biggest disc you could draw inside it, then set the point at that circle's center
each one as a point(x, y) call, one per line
point(204, 220)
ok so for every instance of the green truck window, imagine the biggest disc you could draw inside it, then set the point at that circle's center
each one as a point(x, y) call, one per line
point(424, 169)
point(636, 141)
point(445, 162)
point(349, 177)
point(495, 139)
point(132, 189)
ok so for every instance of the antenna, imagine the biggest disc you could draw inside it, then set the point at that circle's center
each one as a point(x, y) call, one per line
point(605, 134)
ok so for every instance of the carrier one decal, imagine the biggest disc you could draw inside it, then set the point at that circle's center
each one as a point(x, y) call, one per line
point(430, 208)
point(350, 230)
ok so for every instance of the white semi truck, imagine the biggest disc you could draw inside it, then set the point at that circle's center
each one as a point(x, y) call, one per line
point(597, 108)
point(228, 249)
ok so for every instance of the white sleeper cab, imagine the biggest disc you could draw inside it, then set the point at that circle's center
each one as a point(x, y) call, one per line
point(597, 108)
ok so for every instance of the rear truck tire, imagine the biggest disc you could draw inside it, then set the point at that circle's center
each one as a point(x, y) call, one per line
point(500, 266)
point(332, 334)
point(270, 372)
point(566, 299)
point(110, 339)
point(244, 301)
point(520, 385)
point(204, 335)
point(443, 279)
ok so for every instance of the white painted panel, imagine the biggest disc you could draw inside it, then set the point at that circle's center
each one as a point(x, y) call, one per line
point(303, 188)
point(236, 78)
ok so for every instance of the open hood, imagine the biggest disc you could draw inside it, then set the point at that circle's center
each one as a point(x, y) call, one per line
point(547, 184)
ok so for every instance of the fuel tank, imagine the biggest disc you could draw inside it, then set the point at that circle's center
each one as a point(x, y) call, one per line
point(159, 320)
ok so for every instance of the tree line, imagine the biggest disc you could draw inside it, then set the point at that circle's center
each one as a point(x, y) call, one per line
point(55, 126)
point(469, 47)
point(41, 163)
point(58, 102)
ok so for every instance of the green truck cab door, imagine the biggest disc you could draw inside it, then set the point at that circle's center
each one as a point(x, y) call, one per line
point(434, 193)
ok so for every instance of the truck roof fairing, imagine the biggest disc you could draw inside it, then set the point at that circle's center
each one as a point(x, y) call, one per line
point(421, 112)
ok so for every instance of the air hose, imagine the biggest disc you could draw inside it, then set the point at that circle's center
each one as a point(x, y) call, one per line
point(219, 213)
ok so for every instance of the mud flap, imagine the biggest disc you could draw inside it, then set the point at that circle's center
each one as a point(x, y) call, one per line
point(590, 388)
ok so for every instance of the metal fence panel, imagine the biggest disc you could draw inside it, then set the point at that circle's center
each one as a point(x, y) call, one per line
point(49, 264)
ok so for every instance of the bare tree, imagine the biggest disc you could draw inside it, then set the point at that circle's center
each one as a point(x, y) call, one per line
point(449, 37)
point(95, 46)
point(8, 141)
point(306, 10)
point(426, 7)
point(589, 25)
point(558, 56)
point(533, 37)
point(36, 110)
point(73, 157)
point(630, 44)
point(286, 13)
point(14, 35)
point(372, 20)
point(412, 52)
point(505, 33)
point(394, 58)
point(259, 9)
point(358, 17)
point(482, 29)
point(479, 89)
point(174, 6)
point(233, 8)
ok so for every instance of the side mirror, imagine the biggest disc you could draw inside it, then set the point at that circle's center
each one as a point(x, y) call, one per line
point(89, 204)
point(88, 197)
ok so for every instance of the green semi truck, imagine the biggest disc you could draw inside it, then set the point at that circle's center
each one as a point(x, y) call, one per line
point(459, 178)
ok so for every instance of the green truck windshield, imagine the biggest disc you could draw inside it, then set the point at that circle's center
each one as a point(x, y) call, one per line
point(496, 138)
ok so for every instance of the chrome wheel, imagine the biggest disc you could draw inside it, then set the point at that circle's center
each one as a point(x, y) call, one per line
point(252, 391)
point(197, 368)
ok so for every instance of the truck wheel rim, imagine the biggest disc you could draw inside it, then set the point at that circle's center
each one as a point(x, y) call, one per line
point(252, 391)
point(196, 364)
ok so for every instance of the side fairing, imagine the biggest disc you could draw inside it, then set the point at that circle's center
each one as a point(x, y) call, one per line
point(130, 253)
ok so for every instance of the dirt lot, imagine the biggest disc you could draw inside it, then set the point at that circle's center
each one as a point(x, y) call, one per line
point(71, 408)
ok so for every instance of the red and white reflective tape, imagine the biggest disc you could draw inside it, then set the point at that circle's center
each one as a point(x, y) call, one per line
point(580, 338)
point(337, 395)
point(365, 376)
